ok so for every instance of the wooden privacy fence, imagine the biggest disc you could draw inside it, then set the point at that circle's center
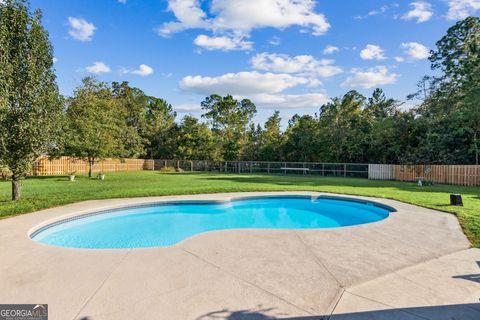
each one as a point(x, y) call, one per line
point(66, 165)
point(465, 175)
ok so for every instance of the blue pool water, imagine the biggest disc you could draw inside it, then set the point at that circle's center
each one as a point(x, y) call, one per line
point(167, 224)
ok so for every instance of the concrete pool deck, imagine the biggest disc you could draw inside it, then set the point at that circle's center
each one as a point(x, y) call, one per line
point(416, 264)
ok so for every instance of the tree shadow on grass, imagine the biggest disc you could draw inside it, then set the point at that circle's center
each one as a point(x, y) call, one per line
point(450, 312)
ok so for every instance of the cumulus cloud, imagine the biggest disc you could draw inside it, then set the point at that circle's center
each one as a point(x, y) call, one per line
point(372, 52)
point(370, 78)
point(420, 10)
point(80, 29)
point(244, 83)
point(460, 9)
point(223, 43)
point(301, 64)
point(239, 18)
point(98, 67)
point(142, 70)
point(330, 49)
point(189, 16)
point(415, 50)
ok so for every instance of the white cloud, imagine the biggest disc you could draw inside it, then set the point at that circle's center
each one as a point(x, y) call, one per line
point(55, 59)
point(189, 15)
point(301, 64)
point(330, 49)
point(290, 100)
point(372, 52)
point(370, 78)
point(372, 13)
point(415, 50)
point(143, 70)
point(275, 41)
point(80, 29)
point(421, 11)
point(399, 59)
point(223, 43)
point(98, 67)
point(187, 107)
point(460, 9)
point(122, 1)
point(238, 18)
point(243, 83)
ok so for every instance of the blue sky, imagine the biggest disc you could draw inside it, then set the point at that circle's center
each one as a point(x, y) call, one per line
point(290, 55)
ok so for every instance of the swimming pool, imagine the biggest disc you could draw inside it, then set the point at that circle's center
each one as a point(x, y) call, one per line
point(167, 223)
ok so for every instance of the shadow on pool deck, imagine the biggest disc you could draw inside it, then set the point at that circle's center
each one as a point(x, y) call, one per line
point(450, 312)
point(470, 277)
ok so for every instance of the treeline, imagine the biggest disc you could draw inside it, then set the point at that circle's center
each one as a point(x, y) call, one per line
point(118, 120)
point(105, 120)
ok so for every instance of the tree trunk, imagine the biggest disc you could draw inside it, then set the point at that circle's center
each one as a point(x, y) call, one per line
point(90, 167)
point(15, 188)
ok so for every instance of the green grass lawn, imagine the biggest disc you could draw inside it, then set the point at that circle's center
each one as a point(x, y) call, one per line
point(44, 192)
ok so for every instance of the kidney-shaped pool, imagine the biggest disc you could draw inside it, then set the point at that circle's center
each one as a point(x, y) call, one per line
point(167, 223)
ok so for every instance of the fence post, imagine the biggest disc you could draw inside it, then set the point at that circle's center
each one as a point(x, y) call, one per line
point(344, 170)
point(251, 166)
point(268, 168)
point(285, 167)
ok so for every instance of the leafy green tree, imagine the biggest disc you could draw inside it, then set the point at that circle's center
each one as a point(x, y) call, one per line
point(447, 126)
point(271, 139)
point(95, 127)
point(229, 119)
point(30, 106)
point(196, 140)
point(344, 129)
point(458, 57)
point(381, 116)
point(252, 149)
point(161, 129)
point(302, 139)
point(145, 118)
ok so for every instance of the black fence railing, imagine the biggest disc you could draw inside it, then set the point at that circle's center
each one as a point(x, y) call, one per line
point(269, 167)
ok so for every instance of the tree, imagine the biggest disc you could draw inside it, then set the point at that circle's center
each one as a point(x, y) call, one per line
point(195, 140)
point(271, 139)
point(302, 139)
point(145, 117)
point(159, 127)
point(229, 119)
point(94, 124)
point(30, 105)
point(381, 117)
point(457, 56)
point(344, 129)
